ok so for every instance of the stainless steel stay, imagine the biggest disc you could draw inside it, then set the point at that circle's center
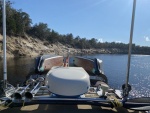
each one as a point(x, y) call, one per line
point(126, 90)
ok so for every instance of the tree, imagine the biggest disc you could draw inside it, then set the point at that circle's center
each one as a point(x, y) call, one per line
point(17, 22)
point(54, 37)
point(69, 39)
point(93, 42)
point(40, 31)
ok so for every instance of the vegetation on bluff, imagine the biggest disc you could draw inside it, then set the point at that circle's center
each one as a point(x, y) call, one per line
point(19, 24)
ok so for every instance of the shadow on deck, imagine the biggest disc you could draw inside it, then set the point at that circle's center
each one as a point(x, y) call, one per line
point(65, 109)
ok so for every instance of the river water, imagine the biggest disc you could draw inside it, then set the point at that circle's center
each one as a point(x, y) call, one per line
point(114, 67)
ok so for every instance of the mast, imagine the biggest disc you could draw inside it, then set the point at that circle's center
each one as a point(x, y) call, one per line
point(4, 46)
point(130, 48)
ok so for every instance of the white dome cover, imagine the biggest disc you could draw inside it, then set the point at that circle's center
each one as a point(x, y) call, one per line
point(68, 81)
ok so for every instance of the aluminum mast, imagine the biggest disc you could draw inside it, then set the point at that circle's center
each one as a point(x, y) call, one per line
point(4, 45)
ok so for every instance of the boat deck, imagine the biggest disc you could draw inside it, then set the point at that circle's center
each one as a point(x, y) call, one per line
point(65, 109)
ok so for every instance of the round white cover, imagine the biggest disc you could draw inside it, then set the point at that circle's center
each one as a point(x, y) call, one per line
point(68, 81)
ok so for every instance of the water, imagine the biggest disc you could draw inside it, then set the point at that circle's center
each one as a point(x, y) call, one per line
point(17, 69)
point(114, 66)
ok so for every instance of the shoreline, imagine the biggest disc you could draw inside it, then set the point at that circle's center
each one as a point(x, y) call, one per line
point(32, 47)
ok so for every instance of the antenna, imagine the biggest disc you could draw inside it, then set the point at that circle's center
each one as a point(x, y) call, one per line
point(127, 87)
point(4, 46)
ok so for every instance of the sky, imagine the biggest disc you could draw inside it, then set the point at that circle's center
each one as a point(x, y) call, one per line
point(105, 20)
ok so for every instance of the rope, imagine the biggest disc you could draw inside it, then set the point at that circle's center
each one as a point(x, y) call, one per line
point(116, 103)
point(119, 104)
point(113, 104)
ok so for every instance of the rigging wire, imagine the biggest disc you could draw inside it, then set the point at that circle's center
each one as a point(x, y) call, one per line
point(126, 89)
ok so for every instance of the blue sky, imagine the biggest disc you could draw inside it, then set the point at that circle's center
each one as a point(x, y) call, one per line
point(105, 20)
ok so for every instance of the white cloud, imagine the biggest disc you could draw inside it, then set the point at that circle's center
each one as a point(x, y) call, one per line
point(147, 39)
point(100, 40)
point(118, 41)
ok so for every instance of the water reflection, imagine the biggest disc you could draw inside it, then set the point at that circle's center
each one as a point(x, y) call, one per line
point(17, 69)
point(115, 67)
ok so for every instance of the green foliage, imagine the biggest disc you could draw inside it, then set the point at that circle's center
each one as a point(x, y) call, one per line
point(17, 22)
point(53, 37)
point(40, 31)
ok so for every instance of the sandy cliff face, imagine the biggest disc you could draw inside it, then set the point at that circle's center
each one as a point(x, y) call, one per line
point(28, 46)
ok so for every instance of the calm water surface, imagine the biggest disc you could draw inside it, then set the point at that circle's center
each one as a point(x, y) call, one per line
point(114, 66)
point(17, 69)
